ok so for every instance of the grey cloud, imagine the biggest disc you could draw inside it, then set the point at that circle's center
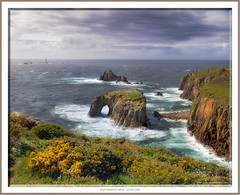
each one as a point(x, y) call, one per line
point(151, 26)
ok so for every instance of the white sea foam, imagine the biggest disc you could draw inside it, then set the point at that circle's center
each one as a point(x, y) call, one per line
point(174, 138)
point(82, 80)
point(102, 126)
point(85, 80)
point(45, 72)
point(169, 95)
point(182, 139)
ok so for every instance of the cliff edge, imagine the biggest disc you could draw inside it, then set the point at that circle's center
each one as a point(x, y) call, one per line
point(127, 107)
point(210, 113)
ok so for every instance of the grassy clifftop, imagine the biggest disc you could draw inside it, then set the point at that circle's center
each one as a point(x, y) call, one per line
point(211, 83)
point(128, 93)
point(49, 154)
point(218, 88)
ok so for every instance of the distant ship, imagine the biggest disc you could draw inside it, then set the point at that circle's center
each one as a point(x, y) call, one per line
point(46, 61)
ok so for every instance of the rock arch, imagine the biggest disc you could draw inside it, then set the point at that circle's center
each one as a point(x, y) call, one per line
point(98, 104)
point(127, 107)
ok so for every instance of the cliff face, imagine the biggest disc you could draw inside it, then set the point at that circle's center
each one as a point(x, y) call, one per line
point(210, 113)
point(191, 83)
point(127, 107)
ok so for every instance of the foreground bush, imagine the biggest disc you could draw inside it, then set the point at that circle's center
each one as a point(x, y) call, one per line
point(50, 131)
point(118, 162)
point(61, 158)
point(76, 159)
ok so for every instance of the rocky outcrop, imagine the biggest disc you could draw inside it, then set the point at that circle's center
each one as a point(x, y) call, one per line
point(31, 119)
point(159, 94)
point(210, 113)
point(110, 76)
point(127, 107)
point(172, 115)
point(191, 83)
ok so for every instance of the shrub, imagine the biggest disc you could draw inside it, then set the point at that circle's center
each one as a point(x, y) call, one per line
point(23, 122)
point(61, 159)
point(50, 131)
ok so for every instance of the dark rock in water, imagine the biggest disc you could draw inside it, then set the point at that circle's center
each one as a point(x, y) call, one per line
point(141, 82)
point(136, 83)
point(31, 119)
point(127, 107)
point(159, 94)
point(123, 79)
point(157, 115)
point(108, 76)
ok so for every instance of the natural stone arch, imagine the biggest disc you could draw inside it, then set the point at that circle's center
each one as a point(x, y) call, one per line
point(127, 107)
point(98, 104)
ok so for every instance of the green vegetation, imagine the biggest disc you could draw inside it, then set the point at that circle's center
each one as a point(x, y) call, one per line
point(129, 93)
point(50, 131)
point(206, 72)
point(79, 160)
point(218, 88)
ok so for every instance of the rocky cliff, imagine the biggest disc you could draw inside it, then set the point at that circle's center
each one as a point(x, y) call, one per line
point(127, 107)
point(210, 113)
point(191, 83)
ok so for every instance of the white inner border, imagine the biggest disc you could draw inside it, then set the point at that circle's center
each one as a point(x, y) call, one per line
point(116, 189)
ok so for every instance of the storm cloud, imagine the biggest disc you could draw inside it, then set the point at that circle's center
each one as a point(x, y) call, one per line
point(158, 33)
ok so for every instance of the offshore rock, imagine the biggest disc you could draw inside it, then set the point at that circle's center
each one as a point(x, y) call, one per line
point(159, 94)
point(110, 76)
point(127, 107)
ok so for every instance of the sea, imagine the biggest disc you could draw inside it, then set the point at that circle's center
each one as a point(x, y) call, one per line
point(61, 92)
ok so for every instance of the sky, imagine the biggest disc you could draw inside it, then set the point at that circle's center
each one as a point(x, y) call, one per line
point(120, 34)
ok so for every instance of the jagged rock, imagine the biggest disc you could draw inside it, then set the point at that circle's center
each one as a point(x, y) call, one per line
point(108, 76)
point(123, 79)
point(31, 119)
point(157, 115)
point(127, 107)
point(159, 94)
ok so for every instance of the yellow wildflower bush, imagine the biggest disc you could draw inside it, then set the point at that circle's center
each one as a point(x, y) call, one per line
point(161, 173)
point(60, 158)
point(57, 157)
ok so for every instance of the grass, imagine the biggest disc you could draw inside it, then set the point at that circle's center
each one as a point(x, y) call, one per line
point(210, 71)
point(129, 93)
point(82, 160)
point(219, 89)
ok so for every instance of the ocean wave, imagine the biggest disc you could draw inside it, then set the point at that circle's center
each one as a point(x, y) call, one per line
point(82, 80)
point(169, 95)
point(85, 80)
point(176, 138)
point(102, 126)
point(181, 139)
